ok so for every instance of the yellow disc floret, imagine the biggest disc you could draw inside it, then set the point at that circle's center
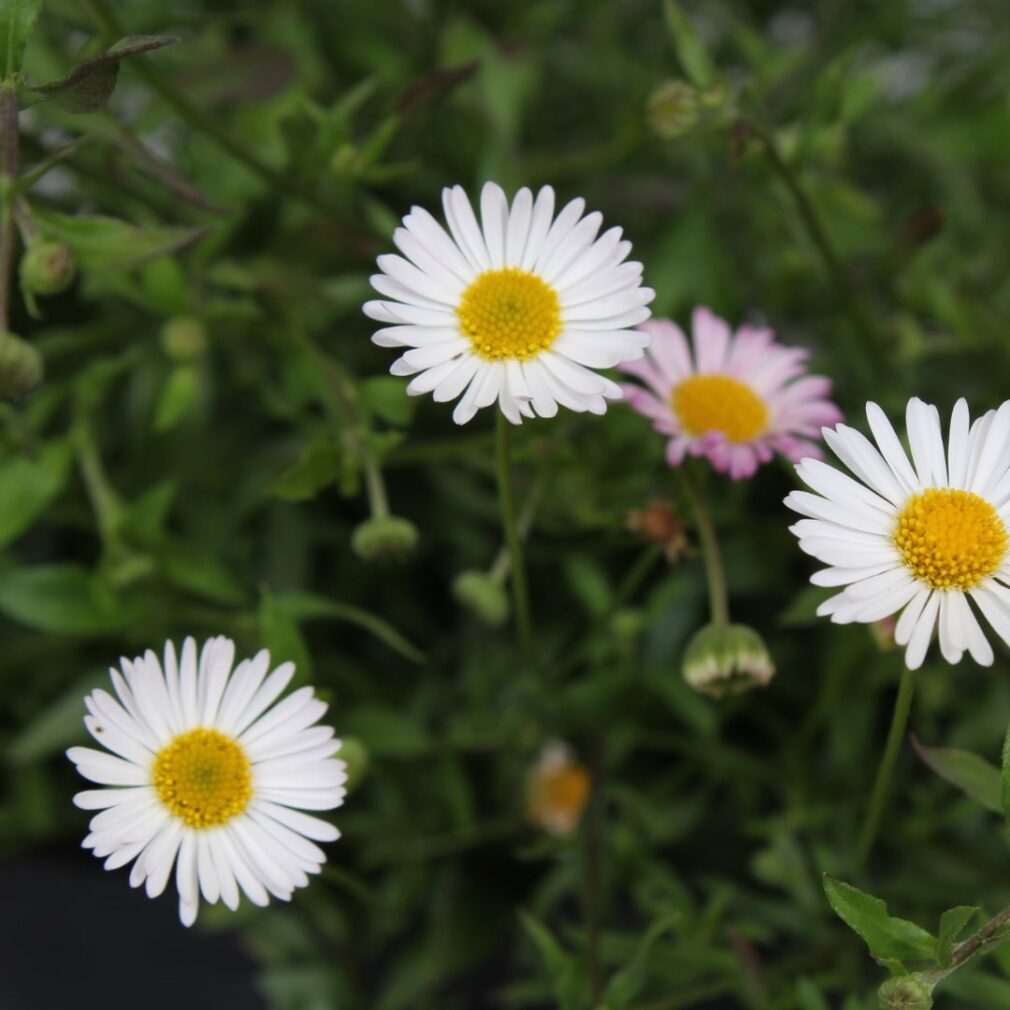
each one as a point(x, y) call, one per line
point(509, 314)
point(706, 403)
point(203, 777)
point(950, 539)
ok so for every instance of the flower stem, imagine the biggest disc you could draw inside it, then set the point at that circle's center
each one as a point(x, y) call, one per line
point(882, 785)
point(506, 495)
point(8, 179)
point(714, 574)
point(864, 328)
point(594, 871)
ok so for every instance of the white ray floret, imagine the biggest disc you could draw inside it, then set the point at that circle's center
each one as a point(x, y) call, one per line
point(205, 773)
point(518, 308)
point(923, 534)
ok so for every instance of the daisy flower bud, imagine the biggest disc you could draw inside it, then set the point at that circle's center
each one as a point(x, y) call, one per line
point(47, 267)
point(205, 773)
point(736, 399)
point(184, 339)
point(483, 595)
point(724, 659)
point(519, 308)
point(674, 109)
point(557, 790)
point(384, 538)
point(21, 367)
point(906, 992)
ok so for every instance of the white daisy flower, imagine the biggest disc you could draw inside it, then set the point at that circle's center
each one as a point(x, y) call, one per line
point(921, 536)
point(518, 308)
point(207, 775)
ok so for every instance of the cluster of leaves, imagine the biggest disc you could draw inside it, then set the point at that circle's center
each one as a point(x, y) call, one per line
point(195, 463)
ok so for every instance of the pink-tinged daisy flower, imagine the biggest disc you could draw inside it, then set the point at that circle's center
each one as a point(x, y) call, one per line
point(519, 307)
point(737, 399)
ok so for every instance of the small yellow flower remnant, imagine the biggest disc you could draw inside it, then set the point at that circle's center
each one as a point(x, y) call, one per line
point(660, 524)
point(557, 790)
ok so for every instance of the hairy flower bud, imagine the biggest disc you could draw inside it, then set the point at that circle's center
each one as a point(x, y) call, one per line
point(47, 267)
point(907, 992)
point(726, 659)
point(483, 595)
point(21, 367)
point(384, 538)
point(184, 339)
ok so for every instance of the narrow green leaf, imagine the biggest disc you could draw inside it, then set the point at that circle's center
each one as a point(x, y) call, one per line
point(887, 937)
point(952, 924)
point(691, 51)
point(628, 982)
point(971, 774)
point(17, 19)
point(106, 243)
point(1005, 791)
point(57, 726)
point(61, 598)
point(317, 467)
point(304, 606)
point(177, 398)
point(90, 85)
point(560, 966)
point(27, 486)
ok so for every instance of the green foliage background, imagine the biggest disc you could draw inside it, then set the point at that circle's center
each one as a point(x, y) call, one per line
point(146, 494)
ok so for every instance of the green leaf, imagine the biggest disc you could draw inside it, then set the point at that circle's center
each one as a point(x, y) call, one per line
point(560, 965)
point(199, 573)
point(1005, 790)
point(810, 996)
point(17, 19)
point(304, 606)
point(386, 397)
point(281, 635)
point(27, 486)
point(952, 924)
point(56, 727)
point(628, 982)
point(178, 396)
point(90, 85)
point(386, 732)
point(61, 598)
point(971, 774)
point(689, 47)
point(107, 243)
point(318, 466)
point(887, 937)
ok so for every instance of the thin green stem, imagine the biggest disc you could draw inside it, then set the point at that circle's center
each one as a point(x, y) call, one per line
point(8, 177)
point(506, 496)
point(714, 574)
point(882, 785)
point(594, 872)
point(870, 343)
point(104, 500)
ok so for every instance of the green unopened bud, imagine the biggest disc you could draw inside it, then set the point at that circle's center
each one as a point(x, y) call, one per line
point(353, 753)
point(21, 367)
point(726, 659)
point(384, 538)
point(908, 992)
point(47, 267)
point(184, 339)
point(674, 109)
point(483, 595)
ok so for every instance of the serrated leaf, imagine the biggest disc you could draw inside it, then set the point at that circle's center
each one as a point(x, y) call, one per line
point(17, 19)
point(888, 937)
point(88, 87)
point(971, 774)
point(60, 598)
point(27, 486)
point(107, 243)
point(952, 924)
point(689, 47)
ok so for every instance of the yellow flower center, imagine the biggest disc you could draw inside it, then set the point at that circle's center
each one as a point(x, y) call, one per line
point(509, 314)
point(203, 777)
point(706, 403)
point(950, 539)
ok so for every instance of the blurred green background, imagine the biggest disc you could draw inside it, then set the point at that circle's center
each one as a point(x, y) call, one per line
point(840, 171)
